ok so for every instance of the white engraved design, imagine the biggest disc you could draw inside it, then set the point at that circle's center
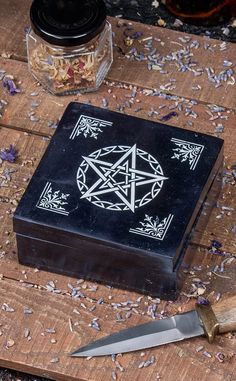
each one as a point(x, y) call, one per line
point(153, 228)
point(187, 151)
point(89, 127)
point(53, 201)
point(119, 184)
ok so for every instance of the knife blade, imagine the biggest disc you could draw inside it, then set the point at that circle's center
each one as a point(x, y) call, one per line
point(208, 320)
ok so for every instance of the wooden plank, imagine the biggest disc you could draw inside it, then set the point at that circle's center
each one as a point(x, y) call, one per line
point(35, 355)
point(14, 19)
point(143, 105)
point(171, 49)
point(221, 225)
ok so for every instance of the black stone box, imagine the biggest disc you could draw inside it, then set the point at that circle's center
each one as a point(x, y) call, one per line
point(116, 198)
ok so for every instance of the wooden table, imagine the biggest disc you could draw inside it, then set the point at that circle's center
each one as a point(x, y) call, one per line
point(40, 321)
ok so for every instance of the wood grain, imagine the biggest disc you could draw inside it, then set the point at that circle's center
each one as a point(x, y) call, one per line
point(225, 312)
point(22, 287)
point(49, 107)
point(168, 43)
point(140, 105)
point(52, 340)
point(14, 19)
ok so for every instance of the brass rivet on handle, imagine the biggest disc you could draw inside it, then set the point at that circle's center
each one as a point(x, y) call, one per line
point(209, 321)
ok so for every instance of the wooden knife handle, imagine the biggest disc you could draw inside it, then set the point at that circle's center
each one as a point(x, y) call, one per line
point(225, 312)
point(219, 318)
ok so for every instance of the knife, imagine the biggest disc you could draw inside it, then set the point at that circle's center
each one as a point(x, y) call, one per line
point(208, 320)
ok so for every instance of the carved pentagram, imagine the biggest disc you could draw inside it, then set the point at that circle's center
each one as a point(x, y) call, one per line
point(120, 178)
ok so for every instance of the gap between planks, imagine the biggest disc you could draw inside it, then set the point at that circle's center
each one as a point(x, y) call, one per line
point(25, 130)
point(123, 82)
point(15, 114)
point(133, 72)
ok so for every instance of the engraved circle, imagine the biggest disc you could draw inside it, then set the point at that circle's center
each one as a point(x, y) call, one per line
point(154, 184)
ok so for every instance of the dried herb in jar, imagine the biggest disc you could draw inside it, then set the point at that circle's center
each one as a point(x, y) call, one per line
point(69, 45)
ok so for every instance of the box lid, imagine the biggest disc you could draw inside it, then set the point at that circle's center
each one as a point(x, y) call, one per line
point(120, 181)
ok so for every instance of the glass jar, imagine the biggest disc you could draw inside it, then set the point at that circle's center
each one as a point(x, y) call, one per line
point(202, 12)
point(69, 45)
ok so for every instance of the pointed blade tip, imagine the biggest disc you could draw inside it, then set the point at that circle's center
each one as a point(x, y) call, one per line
point(77, 353)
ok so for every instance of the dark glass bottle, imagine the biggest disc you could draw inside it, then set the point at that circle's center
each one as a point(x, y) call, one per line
point(202, 12)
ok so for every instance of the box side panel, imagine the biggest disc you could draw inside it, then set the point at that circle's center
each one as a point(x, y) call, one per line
point(184, 260)
point(207, 206)
point(129, 254)
point(99, 263)
point(207, 200)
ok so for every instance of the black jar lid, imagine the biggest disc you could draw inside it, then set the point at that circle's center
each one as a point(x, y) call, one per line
point(68, 22)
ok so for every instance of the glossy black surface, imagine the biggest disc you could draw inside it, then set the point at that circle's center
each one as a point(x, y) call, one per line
point(68, 22)
point(119, 160)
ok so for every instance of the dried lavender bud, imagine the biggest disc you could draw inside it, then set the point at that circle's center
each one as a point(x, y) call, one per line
point(94, 324)
point(203, 301)
point(220, 356)
point(10, 343)
point(168, 116)
point(207, 354)
point(141, 365)
point(26, 333)
point(50, 330)
point(28, 311)
point(9, 154)
point(10, 85)
point(216, 244)
point(7, 308)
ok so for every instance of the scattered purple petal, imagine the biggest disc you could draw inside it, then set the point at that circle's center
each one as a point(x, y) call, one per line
point(220, 356)
point(219, 128)
point(168, 116)
point(207, 354)
point(10, 85)
point(104, 102)
point(128, 32)
point(9, 154)
point(145, 364)
point(216, 244)
point(27, 29)
point(203, 301)
point(94, 324)
point(227, 63)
